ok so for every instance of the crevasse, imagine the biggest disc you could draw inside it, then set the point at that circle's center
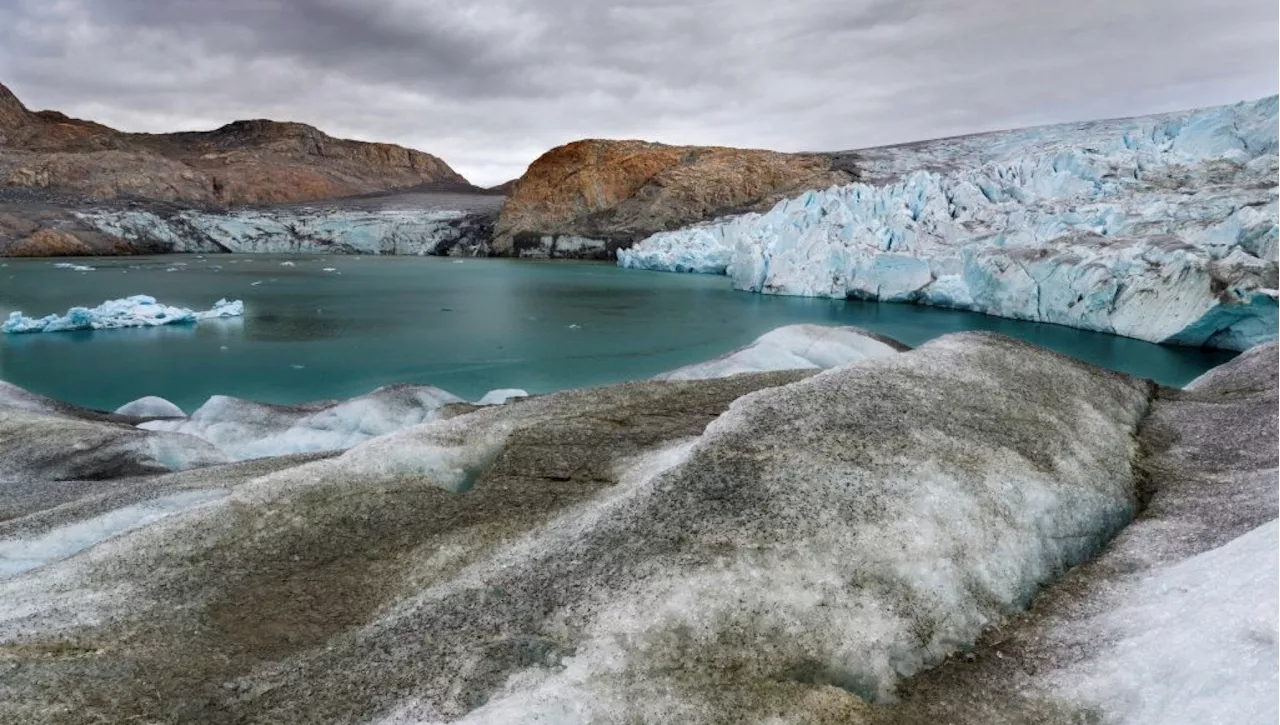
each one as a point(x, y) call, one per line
point(1162, 228)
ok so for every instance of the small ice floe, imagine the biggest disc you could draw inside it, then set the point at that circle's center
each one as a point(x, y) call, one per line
point(330, 269)
point(255, 284)
point(296, 366)
point(74, 267)
point(135, 311)
point(287, 264)
point(575, 327)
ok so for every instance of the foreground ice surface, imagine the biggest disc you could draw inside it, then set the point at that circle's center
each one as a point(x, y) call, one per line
point(135, 311)
point(794, 347)
point(1162, 228)
point(1215, 611)
point(781, 547)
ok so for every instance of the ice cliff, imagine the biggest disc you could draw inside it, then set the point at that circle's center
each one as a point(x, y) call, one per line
point(135, 311)
point(1162, 228)
point(350, 231)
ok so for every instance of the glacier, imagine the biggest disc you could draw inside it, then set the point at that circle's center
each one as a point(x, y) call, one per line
point(305, 230)
point(1162, 228)
point(134, 311)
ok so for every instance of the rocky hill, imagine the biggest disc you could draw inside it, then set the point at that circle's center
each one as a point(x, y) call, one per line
point(52, 164)
point(591, 197)
point(244, 162)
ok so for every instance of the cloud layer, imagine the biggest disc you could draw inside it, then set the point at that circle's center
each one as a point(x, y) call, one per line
point(489, 86)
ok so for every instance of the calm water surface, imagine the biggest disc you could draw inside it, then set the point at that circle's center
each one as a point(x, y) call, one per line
point(466, 327)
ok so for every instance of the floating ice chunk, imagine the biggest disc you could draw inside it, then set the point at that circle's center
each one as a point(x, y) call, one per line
point(330, 269)
point(501, 395)
point(135, 311)
point(74, 267)
point(287, 264)
point(151, 406)
point(791, 348)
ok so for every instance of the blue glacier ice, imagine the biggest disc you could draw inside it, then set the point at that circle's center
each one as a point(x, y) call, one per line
point(1162, 228)
point(135, 311)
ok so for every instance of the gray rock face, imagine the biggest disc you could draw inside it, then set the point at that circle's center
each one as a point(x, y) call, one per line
point(719, 550)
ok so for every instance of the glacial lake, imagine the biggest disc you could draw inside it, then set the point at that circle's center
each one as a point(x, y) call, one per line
point(467, 326)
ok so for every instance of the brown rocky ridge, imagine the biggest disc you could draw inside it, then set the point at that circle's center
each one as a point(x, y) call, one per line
point(618, 192)
point(49, 161)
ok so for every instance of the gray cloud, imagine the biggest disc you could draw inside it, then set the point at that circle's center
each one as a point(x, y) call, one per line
point(489, 86)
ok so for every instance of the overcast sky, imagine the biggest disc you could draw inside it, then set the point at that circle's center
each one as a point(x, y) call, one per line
point(490, 85)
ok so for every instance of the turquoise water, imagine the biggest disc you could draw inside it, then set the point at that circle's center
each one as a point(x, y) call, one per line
point(466, 327)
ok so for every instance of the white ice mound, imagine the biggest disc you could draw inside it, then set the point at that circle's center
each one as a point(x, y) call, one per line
point(135, 311)
point(245, 429)
point(151, 406)
point(794, 347)
point(1162, 228)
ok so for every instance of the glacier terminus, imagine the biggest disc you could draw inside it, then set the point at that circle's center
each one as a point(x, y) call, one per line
point(1161, 228)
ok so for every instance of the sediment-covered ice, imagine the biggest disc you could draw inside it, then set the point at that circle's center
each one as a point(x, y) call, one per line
point(135, 311)
point(783, 547)
point(794, 347)
point(1162, 228)
point(388, 231)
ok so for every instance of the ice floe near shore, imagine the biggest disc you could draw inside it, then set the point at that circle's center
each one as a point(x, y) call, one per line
point(135, 311)
point(1162, 228)
point(794, 347)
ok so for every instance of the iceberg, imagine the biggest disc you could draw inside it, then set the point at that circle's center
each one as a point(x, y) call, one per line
point(135, 311)
point(1162, 228)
